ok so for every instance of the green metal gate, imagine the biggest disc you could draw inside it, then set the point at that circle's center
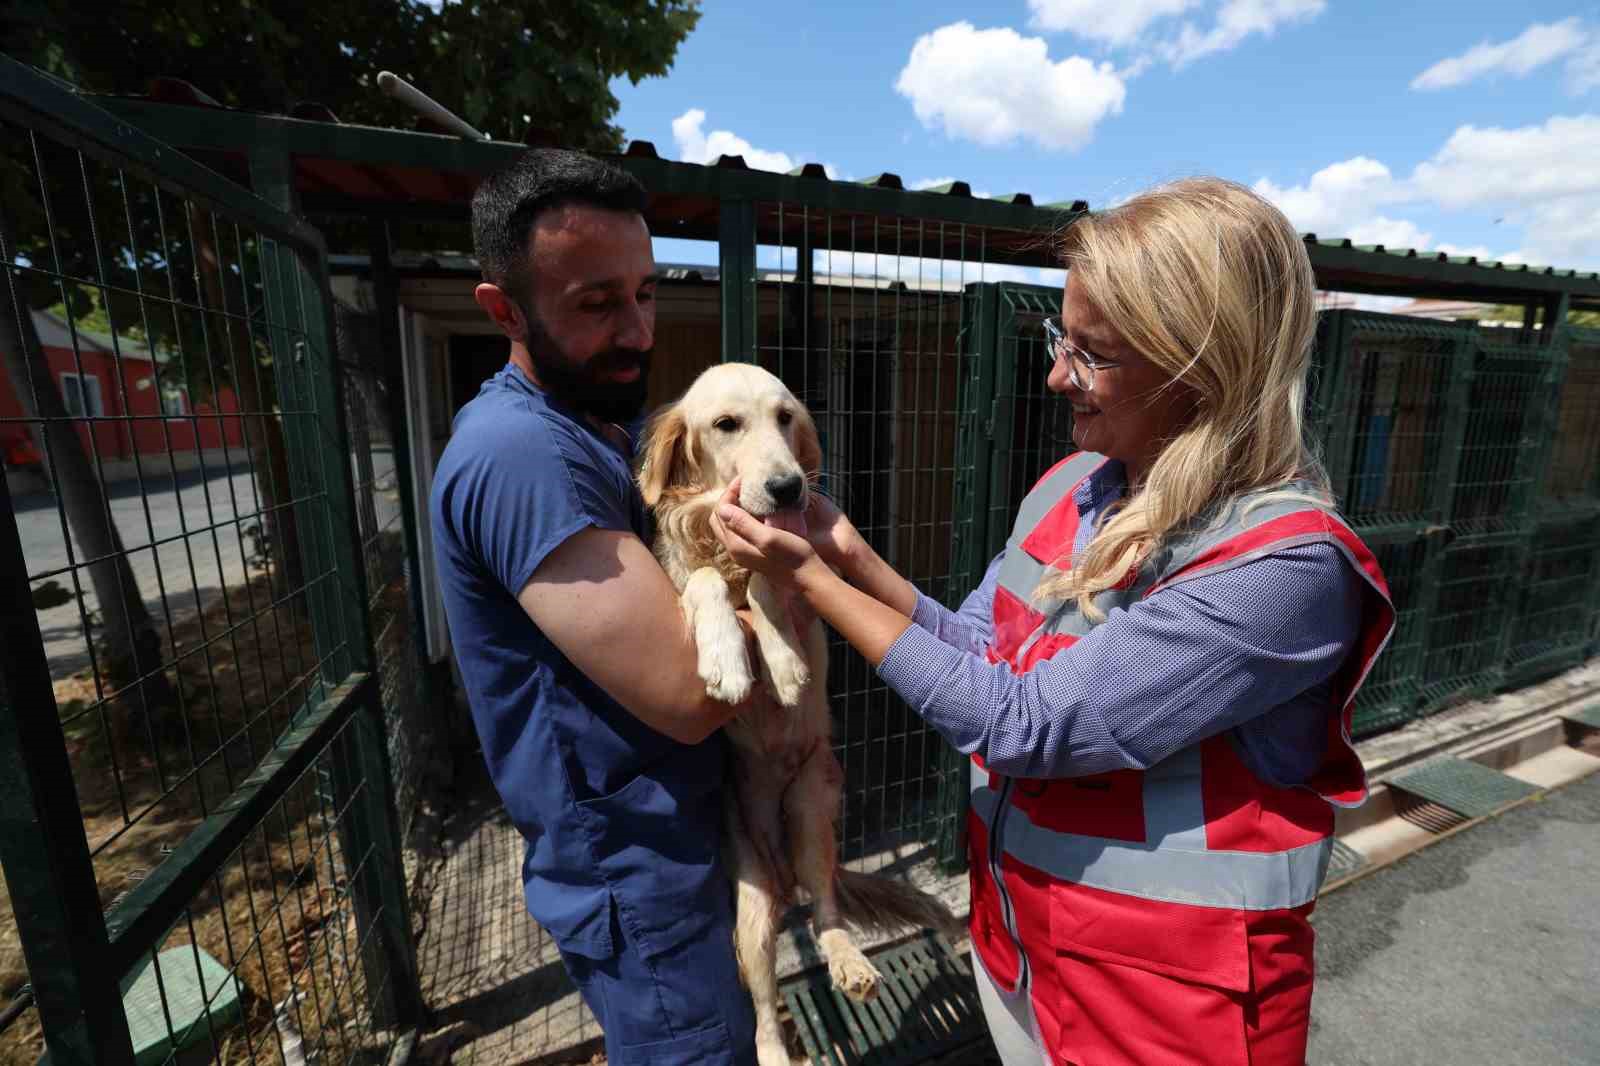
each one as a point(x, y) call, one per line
point(203, 849)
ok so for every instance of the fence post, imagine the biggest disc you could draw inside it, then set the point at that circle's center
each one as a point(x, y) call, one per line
point(736, 257)
point(1534, 457)
point(54, 897)
point(360, 775)
point(969, 524)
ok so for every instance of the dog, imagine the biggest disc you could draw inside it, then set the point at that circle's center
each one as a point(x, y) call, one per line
point(737, 421)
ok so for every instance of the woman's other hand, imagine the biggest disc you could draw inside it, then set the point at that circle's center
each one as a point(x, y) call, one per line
point(832, 534)
point(782, 556)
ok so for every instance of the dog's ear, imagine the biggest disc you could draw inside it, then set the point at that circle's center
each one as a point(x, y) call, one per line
point(668, 455)
point(807, 448)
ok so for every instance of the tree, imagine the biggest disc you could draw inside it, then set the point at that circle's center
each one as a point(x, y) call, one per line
point(538, 70)
point(507, 66)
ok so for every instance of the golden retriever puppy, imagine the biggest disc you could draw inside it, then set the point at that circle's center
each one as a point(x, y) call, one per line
point(739, 421)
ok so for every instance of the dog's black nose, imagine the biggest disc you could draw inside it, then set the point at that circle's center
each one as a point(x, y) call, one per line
point(785, 491)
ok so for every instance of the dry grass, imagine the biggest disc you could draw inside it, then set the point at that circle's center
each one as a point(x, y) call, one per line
point(278, 913)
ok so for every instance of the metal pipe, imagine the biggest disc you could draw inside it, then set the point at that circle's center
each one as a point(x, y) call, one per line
point(427, 106)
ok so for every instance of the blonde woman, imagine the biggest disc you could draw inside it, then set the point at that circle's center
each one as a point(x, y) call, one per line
point(1154, 680)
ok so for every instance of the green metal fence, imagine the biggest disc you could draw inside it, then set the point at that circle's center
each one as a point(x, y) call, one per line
point(870, 321)
point(201, 850)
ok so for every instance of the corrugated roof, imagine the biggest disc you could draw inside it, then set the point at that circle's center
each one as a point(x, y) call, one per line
point(364, 170)
point(1442, 257)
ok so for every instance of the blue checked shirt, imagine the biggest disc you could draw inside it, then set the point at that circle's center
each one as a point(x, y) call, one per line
point(1249, 650)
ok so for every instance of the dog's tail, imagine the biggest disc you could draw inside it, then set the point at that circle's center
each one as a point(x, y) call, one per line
point(877, 904)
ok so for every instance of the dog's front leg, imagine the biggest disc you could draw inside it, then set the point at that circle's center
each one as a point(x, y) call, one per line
point(723, 662)
point(782, 653)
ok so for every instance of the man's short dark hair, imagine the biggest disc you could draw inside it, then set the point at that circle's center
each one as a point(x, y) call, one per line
point(510, 201)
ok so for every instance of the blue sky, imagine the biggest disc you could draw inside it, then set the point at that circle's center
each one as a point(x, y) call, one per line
point(1467, 126)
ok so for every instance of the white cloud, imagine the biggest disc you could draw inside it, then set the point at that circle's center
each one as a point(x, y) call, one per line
point(1539, 44)
point(996, 87)
point(1336, 197)
point(1236, 20)
point(1116, 22)
point(695, 145)
point(1390, 232)
point(1543, 178)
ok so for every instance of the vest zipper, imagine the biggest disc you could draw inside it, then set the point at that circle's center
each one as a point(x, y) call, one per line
point(997, 875)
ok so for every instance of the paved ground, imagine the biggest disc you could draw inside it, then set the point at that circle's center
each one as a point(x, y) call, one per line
point(1483, 948)
point(186, 535)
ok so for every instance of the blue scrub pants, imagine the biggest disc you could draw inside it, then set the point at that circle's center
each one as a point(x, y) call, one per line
point(684, 1005)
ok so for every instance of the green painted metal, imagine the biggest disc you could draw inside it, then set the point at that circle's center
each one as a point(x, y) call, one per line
point(43, 848)
point(76, 120)
point(184, 997)
point(1587, 716)
point(1468, 788)
point(1345, 862)
point(736, 251)
point(140, 920)
point(927, 1006)
point(1352, 268)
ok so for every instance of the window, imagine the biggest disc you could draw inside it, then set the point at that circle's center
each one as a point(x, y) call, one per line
point(81, 395)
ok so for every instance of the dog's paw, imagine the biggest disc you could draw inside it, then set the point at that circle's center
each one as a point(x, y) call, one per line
point(788, 676)
point(727, 675)
point(854, 976)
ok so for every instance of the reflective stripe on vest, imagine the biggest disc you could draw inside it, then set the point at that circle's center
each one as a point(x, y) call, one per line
point(1174, 865)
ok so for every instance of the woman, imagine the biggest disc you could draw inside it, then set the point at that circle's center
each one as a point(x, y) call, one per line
point(1155, 677)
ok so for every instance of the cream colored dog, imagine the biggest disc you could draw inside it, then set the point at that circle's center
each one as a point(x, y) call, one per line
point(737, 421)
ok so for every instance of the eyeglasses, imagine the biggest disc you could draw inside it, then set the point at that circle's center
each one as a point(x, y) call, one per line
point(1081, 364)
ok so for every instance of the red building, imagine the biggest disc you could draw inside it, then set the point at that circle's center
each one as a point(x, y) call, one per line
point(128, 399)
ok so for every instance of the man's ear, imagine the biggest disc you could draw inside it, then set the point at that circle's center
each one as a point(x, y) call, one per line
point(669, 460)
point(502, 309)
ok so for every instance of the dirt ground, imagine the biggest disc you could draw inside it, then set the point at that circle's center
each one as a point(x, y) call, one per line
point(277, 915)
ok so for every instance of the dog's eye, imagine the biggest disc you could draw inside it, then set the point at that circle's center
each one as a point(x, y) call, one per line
point(785, 417)
point(727, 423)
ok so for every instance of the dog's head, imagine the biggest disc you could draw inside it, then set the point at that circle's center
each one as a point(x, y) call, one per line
point(736, 421)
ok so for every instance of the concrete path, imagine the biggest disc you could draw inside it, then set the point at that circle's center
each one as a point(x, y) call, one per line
point(1483, 948)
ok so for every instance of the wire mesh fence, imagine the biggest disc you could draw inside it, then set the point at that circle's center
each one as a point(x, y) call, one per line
point(1386, 387)
point(376, 469)
point(1573, 473)
point(867, 319)
point(1554, 603)
point(165, 398)
point(1501, 451)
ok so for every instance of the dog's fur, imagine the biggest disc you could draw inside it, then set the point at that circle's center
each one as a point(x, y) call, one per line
point(738, 421)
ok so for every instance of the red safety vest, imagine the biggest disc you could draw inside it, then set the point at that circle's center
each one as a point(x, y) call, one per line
point(1160, 916)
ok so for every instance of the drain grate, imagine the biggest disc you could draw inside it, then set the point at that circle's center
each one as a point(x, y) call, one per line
point(926, 1006)
point(1344, 862)
point(1466, 788)
point(1589, 716)
point(1425, 814)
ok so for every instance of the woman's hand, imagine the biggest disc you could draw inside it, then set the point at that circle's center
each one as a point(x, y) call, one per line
point(832, 534)
point(784, 557)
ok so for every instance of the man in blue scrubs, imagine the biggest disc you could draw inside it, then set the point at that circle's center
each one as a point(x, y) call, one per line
point(577, 663)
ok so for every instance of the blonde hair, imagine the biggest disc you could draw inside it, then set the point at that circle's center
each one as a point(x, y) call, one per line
point(1211, 283)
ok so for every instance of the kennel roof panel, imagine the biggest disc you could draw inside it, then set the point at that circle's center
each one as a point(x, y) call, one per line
point(348, 169)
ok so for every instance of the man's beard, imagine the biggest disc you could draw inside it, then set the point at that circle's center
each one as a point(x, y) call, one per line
point(586, 387)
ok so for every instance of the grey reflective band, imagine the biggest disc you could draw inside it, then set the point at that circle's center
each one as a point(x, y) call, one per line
point(1047, 493)
point(1236, 880)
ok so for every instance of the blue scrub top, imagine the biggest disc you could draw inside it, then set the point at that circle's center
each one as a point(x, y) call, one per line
point(613, 812)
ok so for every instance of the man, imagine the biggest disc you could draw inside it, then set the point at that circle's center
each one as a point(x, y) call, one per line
point(579, 669)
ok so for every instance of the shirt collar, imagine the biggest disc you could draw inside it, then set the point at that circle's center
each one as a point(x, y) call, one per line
point(1105, 485)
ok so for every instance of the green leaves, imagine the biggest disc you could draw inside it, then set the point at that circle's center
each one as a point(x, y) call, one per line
point(492, 61)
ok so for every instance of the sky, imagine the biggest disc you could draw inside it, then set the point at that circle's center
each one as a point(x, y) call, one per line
point(1463, 126)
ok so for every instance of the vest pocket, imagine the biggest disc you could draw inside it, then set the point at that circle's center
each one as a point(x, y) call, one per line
point(1143, 981)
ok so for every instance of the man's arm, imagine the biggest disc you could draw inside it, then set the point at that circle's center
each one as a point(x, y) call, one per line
point(602, 598)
